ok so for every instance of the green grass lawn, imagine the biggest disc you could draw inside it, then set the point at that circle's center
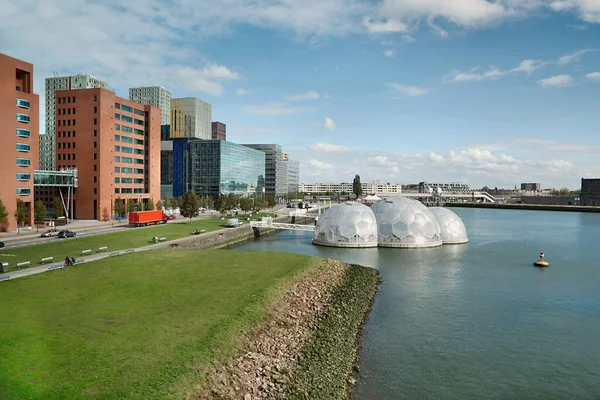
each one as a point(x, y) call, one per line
point(138, 326)
point(125, 239)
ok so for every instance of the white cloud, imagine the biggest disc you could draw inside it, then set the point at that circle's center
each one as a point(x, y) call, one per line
point(330, 124)
point(241, 92)
point(570, 58)
point(493, 73)
point(311, 95)
point(588, 10)
point(329, 148)
point(594, 76)
point(384, 26)
point(409, 90)
point(272, 109)
point(557, 80)
point(388, 53)
point(320, 165)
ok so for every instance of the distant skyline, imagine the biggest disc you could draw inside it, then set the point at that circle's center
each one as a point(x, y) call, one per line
point(481, 92)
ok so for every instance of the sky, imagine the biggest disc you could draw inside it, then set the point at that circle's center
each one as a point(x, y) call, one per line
point(488, 93)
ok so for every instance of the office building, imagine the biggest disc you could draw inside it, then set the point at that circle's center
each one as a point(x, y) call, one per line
point(165, 132)
point(191, 118)
point(590, 192)
point(347, 188)
point(276, 179)
point(531, 187)
point(293, 175)
point(214, 167)
point(156, 96)
point(446, 187)
point(48, 140)
point(166, 169)
point(19, 132)
point(219, 131)
point(115, 145)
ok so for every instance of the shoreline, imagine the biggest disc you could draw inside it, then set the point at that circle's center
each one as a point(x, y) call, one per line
point(308, 346)
point(533, 207)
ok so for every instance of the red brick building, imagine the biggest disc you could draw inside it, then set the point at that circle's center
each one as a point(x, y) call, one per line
point(19, 132)
point(115, 145)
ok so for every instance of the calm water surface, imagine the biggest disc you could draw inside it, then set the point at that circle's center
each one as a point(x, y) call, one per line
point(478, 320)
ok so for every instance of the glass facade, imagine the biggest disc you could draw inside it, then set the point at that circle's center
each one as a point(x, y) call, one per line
point(276, 176)
point(214, 167)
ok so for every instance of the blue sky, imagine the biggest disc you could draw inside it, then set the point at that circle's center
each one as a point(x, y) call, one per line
point(487, 93)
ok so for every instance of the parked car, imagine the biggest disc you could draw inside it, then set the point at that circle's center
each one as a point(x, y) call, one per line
point(66, 234)
point(1, 245)
point(50, 233)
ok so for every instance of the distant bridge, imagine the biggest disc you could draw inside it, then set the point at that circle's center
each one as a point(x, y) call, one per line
point(484, 196)
point(280, 225)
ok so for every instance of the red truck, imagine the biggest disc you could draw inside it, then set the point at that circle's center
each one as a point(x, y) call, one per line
point(145, 218)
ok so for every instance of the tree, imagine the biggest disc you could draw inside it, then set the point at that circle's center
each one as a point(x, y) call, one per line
point(130, 205)
point(105, 214)
point(3, 216)
point(59, 210)
point(564, 192)
point(191, 204)
point(40, 213)
point(246, 204)
point(222, 204)
point(271, 202)
point(357, 186)
point(150, 205)
point(20, 214)
point(159, 205)
point(119, 207)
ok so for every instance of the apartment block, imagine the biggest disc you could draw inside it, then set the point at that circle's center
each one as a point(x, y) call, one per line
point(19, 132)
point(191, 118)
point(115, 145)
point(48, 140)
point(219, 131)
point(347, 187)
point(154, 96)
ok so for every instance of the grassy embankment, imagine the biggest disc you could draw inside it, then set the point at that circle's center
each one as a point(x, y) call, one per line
point(141, 325)
point(126, 239)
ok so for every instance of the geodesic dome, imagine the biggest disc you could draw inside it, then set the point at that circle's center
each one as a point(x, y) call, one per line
point(348, 224)
point(406, 223)
point(451, 225)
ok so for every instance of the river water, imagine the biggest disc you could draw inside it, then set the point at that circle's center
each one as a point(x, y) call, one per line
point(479, 321)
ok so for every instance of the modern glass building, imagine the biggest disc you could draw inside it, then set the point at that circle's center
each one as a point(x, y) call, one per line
point(214, 167)
point(276, 168)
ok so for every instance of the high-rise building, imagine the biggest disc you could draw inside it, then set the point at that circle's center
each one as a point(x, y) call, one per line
point(190, 118)
point(531, 187)
point(115, 145)
point(154, 96)
point(293, 175)
point(19, 132)
point(166, 169)
point(219, 131)
point(590, 192)
point(276, 179)
point(48, 140)
point(214, 167)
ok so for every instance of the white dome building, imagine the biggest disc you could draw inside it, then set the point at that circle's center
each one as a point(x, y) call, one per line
point(348, 224)
point(451, 225)
point(406, 223)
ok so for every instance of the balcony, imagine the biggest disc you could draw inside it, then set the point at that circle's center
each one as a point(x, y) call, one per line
point(23, 104)
point(23, 118)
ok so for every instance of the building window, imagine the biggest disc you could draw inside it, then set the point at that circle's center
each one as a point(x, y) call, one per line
point(117, 138)
point(95, 109)
point(117, 159)
point(23, 132)
point(117, 116)
point(95, 167)
point(138, 190)
point(126, 129)
point(127, 191)
point(95, 156)
point(139, 161)
point(23, 191)
point(23, 103)
point(117, 105)
point(138, 151)
point(139, 141)
point(73, 99)
point(127, 160)
point(95, 144)
point(23, 118)
point(139, 171)
point(23, 162)
point(117, 148)
point(126, 170)
point(138, 131)
point(118, 127)
point(126, 180)
point(117, 190)
point(23, 147)
point(126, 149)
point(117, 180)
point(95, 132)
point(95, 97)
point(117, 169)
point(126, 139)
point(126, 108)
point(138, 180)
point(138, 112)
point(23, 177)
point(95, 191)
point(95, 121)
point(126, 118)
point(139, 122)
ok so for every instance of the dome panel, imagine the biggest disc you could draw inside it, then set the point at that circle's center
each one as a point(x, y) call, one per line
point(410, 222)
point(348, 224)
point(452, 228)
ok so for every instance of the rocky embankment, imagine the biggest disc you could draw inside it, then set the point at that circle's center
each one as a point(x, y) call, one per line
point(307, 346)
